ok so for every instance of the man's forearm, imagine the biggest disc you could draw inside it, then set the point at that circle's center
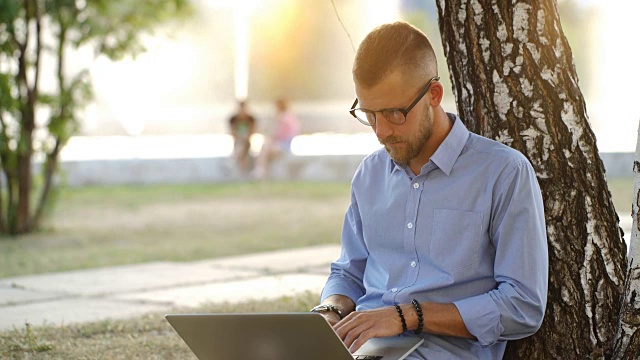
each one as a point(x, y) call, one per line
point(438, 319)
point(344, 303)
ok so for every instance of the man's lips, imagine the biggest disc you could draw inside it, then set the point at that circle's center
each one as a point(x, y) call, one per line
point(392, 142)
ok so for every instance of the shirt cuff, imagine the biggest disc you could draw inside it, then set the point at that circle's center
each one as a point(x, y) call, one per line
point(481, 317)
point(340, 288)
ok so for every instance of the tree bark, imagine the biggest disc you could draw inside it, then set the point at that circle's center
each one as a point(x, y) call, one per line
point(627, 343)
point(514, 81)
point(29, 91)
point(50, 165)
point(4, 164)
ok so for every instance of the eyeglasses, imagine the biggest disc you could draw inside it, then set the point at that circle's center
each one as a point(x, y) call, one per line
point(392, 115)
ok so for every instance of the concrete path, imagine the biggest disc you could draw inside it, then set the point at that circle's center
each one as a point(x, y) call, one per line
point(126, 291)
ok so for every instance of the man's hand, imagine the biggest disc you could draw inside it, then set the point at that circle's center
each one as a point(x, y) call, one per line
point(359, 326)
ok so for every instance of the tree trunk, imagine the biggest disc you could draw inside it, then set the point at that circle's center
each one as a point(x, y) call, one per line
point(25, 151)
point(4, 164)
point(627, 344)
point(514, 80)
point(23, 213)
point(50, 167)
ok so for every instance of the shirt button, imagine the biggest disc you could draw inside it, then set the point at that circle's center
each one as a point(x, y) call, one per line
point(410, 225)
point(413, 264)
point(394, 290)
point(416, 185)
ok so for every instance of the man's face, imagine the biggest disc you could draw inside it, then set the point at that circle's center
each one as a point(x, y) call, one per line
point(404, 148)
point(403, 142)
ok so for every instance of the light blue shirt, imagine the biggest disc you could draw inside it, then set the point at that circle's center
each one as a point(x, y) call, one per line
point(468, 230)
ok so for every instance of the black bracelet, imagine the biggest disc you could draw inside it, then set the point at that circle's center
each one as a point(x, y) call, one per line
point(416, 304)
point(404, 323)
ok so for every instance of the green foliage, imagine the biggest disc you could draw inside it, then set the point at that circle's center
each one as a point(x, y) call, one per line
point(113, 28)
point(115, 25)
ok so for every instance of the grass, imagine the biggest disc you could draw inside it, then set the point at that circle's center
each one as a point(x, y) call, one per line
point(115, 225)
point(97, 226)
point(145, 337)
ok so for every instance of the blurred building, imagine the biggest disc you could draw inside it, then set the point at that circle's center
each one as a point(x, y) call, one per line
point(188, 80)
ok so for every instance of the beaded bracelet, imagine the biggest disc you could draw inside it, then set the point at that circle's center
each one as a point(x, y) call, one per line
point(404, 323)
point(416, 304)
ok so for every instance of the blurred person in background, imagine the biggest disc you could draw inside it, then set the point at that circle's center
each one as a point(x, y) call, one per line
point(279, 142)
point(242, 125)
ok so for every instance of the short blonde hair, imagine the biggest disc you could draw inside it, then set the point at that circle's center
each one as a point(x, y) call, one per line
point(391, 47)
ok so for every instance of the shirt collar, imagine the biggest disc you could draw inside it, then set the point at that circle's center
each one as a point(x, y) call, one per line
point(451, 148)
point(448, 151)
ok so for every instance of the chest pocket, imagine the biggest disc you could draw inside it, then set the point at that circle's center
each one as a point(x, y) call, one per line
point(455, 242)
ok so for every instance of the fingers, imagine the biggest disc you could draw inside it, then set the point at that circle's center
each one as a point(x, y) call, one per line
point(358, 327)
point(355, 332)
point(353, 344)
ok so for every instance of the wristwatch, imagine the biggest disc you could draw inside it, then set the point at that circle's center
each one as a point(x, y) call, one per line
point(325, 308)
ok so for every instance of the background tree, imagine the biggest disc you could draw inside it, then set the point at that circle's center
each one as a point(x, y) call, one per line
point(627, 344)
point(30, 31)
point(515, 81)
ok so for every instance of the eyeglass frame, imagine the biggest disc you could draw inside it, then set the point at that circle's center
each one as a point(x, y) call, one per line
point(404, 112)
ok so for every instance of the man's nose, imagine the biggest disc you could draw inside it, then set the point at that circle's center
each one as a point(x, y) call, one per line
point(383, 127)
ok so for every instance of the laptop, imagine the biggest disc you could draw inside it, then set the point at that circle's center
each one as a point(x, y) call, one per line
point(278, 336)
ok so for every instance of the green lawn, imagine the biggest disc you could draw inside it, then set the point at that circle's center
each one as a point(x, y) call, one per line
point(115, 225)
point(100, 226)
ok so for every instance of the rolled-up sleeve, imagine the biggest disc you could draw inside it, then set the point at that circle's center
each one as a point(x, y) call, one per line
point(515, 308)
point(347, 271)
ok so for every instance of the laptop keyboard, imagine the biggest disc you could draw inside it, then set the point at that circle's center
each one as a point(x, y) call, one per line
point(367, 357)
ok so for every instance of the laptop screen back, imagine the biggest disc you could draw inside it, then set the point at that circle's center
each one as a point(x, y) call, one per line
point(259, 336)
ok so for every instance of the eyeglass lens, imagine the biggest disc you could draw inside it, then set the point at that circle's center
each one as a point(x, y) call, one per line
point(391, 115)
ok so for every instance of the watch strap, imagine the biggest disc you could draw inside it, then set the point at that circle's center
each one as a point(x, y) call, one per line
point(326, 308)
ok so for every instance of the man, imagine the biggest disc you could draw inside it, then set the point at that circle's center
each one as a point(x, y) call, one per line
point(242, 125)
point(445, 235)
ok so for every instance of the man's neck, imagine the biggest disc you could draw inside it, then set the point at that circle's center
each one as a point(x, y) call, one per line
point(441, 127)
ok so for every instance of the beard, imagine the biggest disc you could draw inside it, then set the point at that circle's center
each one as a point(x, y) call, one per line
point(412, 145)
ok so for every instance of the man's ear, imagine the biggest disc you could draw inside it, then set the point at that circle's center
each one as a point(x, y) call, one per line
point(436, 91)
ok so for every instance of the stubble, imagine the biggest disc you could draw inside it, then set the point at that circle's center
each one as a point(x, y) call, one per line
point(412, 145)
